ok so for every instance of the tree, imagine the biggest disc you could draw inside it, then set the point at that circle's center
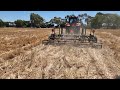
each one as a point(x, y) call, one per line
point(36, 20)
point(20, 23)
point(106, 20)
point(9, 24)
point(1, 23)
point(99, 13)
point(112, 20)
point(98, 20)
point(117, 21)
point(56, 20)
point(87, 19)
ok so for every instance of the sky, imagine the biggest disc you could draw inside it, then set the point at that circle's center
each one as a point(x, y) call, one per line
point(47, 15)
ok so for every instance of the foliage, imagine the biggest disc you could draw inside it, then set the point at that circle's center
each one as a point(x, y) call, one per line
point(1, 23)
point(20, 23)
point(36, 20)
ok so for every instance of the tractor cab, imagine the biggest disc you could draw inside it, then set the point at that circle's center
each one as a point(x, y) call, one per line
point(72, 25)
point(73, 20)
point(72, 31)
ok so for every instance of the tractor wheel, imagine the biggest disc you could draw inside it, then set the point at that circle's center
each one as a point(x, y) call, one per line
point(82, 39)
point(94, 39)
point(88, 39)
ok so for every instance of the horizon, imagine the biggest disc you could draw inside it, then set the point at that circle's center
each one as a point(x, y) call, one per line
point(11, 16)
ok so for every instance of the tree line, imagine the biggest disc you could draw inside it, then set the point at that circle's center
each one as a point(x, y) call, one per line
point(100, 20)
point(108, 21)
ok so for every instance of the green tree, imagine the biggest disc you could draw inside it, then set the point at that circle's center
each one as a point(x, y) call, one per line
point(109, 21)
point(56, 20)
point(117, 21)
point(112, 20)
point(1, 23)
point(20, 23)
point(87, 18)
point(36, 20)
point(98, 20)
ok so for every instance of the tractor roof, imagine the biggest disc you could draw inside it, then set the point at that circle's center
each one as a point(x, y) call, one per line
point(70, 16)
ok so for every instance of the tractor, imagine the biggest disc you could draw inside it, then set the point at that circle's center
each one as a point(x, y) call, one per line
point(72, 31)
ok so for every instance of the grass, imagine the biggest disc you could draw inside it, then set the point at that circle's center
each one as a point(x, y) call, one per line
point(13, 38)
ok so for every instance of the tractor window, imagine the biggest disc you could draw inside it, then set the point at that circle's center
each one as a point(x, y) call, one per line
point(73, 20)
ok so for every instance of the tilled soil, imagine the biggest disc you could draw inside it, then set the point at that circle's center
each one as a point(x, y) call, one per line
point(64, 62)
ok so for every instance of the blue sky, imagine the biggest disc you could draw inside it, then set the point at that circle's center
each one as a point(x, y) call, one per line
point(47, 15)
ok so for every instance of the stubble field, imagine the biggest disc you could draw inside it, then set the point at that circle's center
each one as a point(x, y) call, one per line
point(23, 56)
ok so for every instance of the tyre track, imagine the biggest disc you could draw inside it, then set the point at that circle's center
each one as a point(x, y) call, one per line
point(97, 61)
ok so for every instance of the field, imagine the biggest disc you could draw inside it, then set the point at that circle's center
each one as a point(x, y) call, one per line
point(13, 38)
point(22, 56)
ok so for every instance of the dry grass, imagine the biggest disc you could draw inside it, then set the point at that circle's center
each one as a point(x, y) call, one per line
point(115, 32)
point(59, 62)
point(13, 38)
